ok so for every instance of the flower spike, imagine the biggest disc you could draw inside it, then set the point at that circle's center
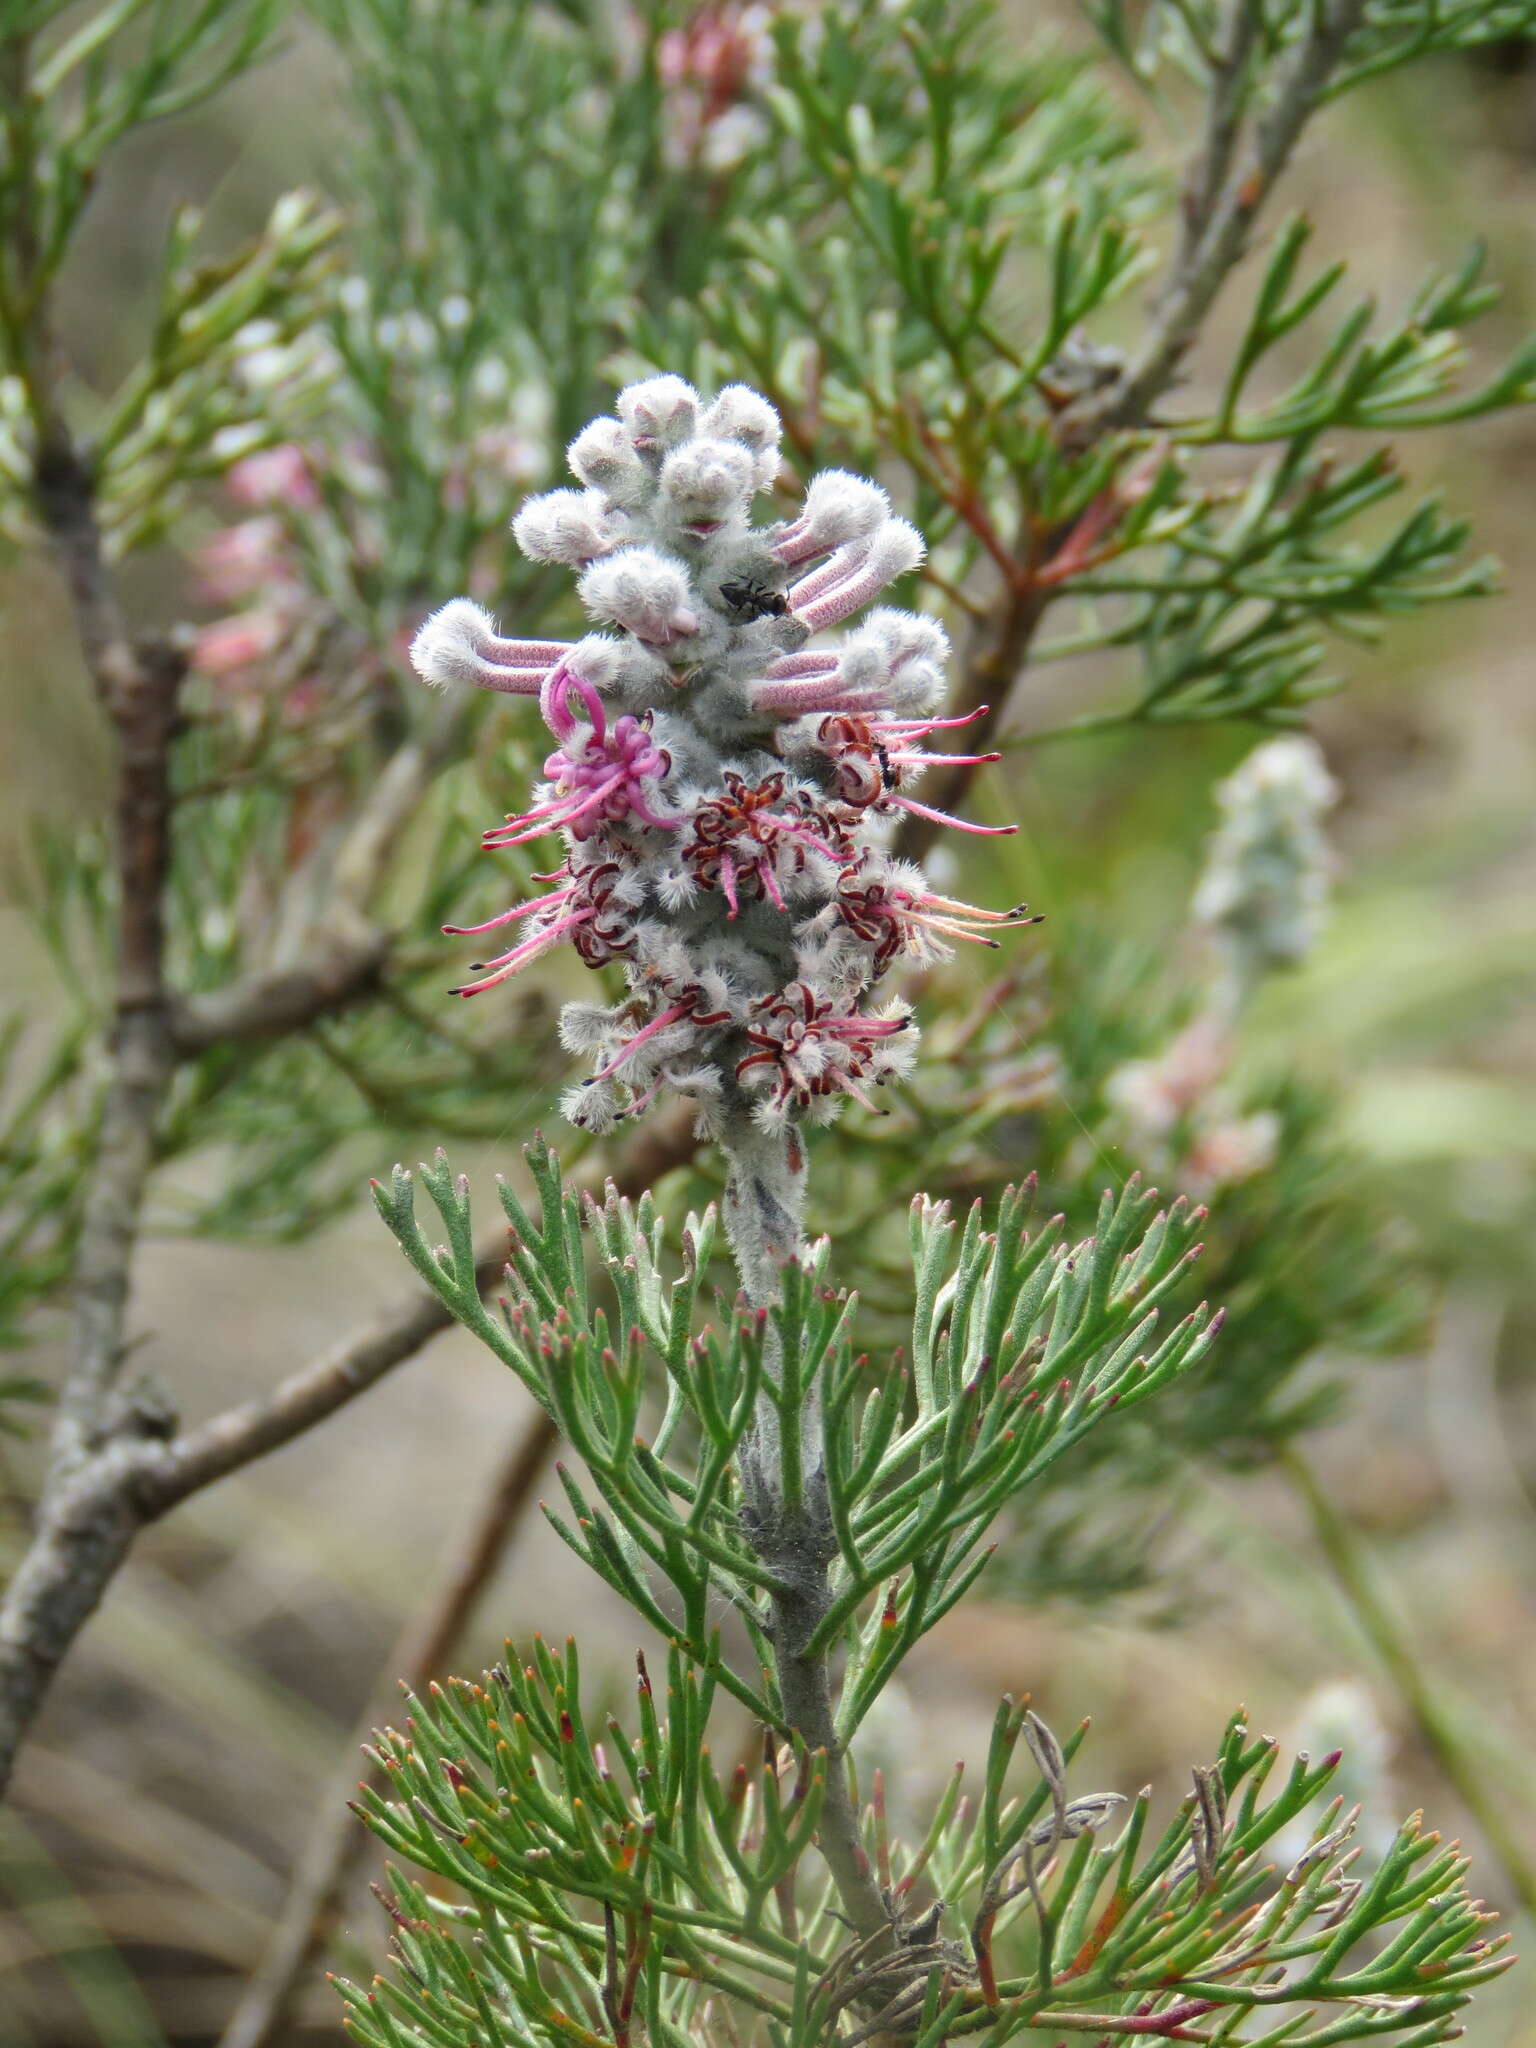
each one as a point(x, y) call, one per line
point(722, 789)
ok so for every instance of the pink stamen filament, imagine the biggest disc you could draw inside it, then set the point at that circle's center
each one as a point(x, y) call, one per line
point(953, 931)
point(557, 713)
point(728, 883)
point(529, 950)
point(632, 1045)
point(909, 803)
point(944, 760)
point(642, 810)
point(551, 822)
point(806, 838)
point(770, 883)
point(515, 823)
point(914, 728)
point(972, 910)
point(643, 1102)
point(468, 931)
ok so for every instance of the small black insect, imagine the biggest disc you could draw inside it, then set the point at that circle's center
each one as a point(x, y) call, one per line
point(887, 772)
point(753, 600)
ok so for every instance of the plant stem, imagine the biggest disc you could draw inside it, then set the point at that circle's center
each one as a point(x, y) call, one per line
point(1224, 192)
point(1346, 1559)
point(764, 1208)
point(764, 1203)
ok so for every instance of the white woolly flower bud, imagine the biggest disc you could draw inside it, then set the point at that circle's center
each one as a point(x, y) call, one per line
point(645, 592)
point(738, 413)
point(707, 485)
point(915, 650)
point(839, 508)
point(741, 414)
point(460, 644)
point(573, 527)
point(896, 548)
point(660, 412)
point(907, 636)
point(603, 456)
point(1264, 890)
point(584, 1027)
point(597, 1110)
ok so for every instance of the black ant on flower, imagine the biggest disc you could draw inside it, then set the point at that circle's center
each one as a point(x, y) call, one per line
point(753, 600)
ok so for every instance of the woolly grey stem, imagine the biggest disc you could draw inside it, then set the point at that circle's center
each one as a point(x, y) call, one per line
point(805, 1686)
point(764, 1206)
point(764, 1210)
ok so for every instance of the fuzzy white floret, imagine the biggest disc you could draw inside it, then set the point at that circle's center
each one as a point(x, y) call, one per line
point(659, 412)
point(912, 650)
point(718, 992)
point(644, 591)
point(573, 527)
point(697, 1080)
point(449, 648)
point(707, 480)
point(675, 889)
point(863, 664)
point(601, 660)
point(586, 1026)
point(840, 507)
point(739, 413)
point(631, 885)
point(907, 636)
point(603, 456)
point(895, 548)
point(593, 1109)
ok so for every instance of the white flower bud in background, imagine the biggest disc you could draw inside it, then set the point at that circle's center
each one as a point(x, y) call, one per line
point(1341, 1714)
point(1264, 891)
point(1262, 898)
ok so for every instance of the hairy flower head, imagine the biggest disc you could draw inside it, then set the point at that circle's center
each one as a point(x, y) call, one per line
point(725, 786)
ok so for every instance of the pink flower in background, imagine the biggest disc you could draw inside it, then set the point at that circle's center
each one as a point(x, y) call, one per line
point(274, 476)
point(238, 642)
point(240, 561)
point(714, 66)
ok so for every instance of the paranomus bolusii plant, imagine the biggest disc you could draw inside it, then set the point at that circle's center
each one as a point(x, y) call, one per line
point(788, 1517)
